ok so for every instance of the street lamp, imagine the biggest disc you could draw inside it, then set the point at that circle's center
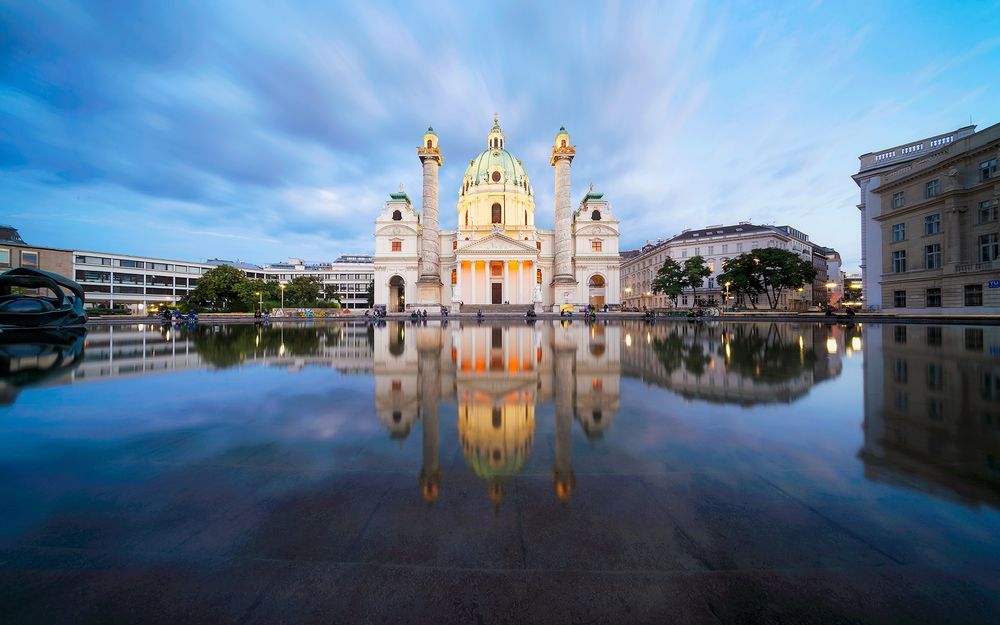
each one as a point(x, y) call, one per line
point(260, 300)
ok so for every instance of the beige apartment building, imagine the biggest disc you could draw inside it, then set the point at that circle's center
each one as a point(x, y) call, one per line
point(940, 234)
point(716, 244)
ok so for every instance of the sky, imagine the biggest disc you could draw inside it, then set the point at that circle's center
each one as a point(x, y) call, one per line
point(261, 131)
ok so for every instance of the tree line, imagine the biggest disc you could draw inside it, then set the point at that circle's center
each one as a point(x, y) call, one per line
point(227, 289)
point(765, 271)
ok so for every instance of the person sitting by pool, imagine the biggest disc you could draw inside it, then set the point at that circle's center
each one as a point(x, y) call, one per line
point(479, 313)
point(530, 314)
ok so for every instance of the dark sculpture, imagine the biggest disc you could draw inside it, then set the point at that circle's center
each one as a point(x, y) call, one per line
point(31, 357)
point(18, 311)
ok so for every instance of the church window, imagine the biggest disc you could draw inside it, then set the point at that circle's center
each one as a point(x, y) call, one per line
point(497, 210)
point(595, 246)
point(526, 218)
point(397, 216)
point(595, 216)
point(430, 144)
point(466, 218)
point(538, 277)
point(538, 244)
point(563, 143)
point(454, 245)
point(397, 246)
point(454, 276)
point(496, 176)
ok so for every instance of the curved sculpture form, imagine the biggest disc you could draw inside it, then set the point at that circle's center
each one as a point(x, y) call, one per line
point(31, 357)
point(17, 311)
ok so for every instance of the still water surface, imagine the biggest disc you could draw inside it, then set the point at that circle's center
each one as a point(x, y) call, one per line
point(631, 470)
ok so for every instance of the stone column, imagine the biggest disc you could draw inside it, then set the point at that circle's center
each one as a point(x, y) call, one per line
point(429, 369)
point(506, 281)
point(429, 283)
point(563, 281)
point(564, 383)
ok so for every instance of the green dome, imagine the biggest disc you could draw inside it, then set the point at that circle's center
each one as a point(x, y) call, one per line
point(480, 167)
point(481, 466)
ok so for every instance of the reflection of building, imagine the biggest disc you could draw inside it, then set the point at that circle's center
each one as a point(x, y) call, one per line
point(932, 409)
point(496, 254)
point(497, 375)
point(734, 363)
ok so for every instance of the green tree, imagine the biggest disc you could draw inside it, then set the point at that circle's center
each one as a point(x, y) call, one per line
point(695, 272)
point(669, 279)
point(252, 292)
point(781, 270)
point(767, 270)
point(370, 294)
point(302, 291)
point(220, 288)
point(742, 276)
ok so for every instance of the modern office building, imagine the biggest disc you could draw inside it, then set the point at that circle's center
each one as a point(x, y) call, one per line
point(874, 166)
point(939, 229)
point(140, 282)
point(716, 244)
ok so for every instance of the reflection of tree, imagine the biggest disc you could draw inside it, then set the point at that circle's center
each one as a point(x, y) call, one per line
point(672, 353)
point(230, 345)
point(766, 356)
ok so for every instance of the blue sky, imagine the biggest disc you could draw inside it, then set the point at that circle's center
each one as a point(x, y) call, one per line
point(261, 131)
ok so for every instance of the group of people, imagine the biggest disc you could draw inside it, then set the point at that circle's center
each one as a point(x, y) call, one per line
point(169, 315)
point(262, 316)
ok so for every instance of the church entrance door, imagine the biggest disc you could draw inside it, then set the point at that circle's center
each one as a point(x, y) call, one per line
point(497, 293)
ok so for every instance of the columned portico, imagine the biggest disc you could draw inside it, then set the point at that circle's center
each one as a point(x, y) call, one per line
point(511, 279)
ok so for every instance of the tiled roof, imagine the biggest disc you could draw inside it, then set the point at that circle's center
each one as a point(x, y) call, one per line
point(694, 235)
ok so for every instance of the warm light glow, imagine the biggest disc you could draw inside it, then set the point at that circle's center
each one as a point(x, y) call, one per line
point(831, 285)
point(856, 343)
point(649, 338)
point(729, 353)
point(802, 343)
point(628, 340)
point(831, 345)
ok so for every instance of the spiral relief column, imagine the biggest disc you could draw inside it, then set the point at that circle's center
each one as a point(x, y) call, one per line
point(563, 280)
point(429, 282)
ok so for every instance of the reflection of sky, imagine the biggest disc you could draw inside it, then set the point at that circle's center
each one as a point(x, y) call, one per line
point(61, 444)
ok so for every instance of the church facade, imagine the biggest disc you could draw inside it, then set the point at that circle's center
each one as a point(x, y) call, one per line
point(496, 255)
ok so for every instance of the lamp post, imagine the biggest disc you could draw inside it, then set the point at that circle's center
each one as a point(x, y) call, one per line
point(728, 284)
point(282, 298)
point(260, 301)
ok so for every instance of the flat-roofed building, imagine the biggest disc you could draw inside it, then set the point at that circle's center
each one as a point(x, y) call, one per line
point(873, 167)
point(939, 229)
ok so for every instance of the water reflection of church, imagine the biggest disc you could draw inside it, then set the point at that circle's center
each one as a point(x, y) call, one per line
point(497, 375)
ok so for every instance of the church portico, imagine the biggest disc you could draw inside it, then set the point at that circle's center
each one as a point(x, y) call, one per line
point(496, 254)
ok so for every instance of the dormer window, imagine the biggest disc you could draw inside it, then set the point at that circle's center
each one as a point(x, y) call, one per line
point(595, 216)
point(397, 215)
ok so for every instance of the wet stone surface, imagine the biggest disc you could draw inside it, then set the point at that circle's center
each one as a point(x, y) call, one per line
point(486, 473)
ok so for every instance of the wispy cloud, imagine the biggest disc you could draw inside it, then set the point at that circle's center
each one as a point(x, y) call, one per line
point(269, 130)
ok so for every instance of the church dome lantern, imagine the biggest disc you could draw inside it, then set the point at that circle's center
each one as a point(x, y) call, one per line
point(430, 139)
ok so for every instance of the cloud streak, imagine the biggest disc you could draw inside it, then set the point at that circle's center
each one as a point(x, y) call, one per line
point(264, 130)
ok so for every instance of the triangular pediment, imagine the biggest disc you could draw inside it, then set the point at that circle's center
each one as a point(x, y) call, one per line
point(496, 243)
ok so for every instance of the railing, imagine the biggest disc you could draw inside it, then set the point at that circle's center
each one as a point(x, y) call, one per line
point(970, 267)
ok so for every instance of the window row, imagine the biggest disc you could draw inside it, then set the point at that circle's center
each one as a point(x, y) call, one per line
point(28, 258)
point(973, 296)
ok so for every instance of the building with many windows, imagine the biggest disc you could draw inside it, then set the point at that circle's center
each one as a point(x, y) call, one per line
point(140, 282)
point(496, 254)
point(873, 168)
point(940, 236)
point(716, 244)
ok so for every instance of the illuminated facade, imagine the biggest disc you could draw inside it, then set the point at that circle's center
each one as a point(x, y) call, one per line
point(496, 255)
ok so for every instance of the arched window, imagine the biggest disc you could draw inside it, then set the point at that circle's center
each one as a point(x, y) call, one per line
point(526, 218)
point(496, 176)
point(430, 143)
point(466, 218)
point(454, 245)
point(396, 215)
point(497, 212)
point(538, 277)
point(454, 276)
point(563, 143)
point(595, 216)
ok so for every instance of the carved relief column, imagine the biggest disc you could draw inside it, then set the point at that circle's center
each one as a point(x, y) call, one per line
point(563, 282)
point(429, 282)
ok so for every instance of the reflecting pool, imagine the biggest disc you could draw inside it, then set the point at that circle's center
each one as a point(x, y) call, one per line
point(547, 472)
